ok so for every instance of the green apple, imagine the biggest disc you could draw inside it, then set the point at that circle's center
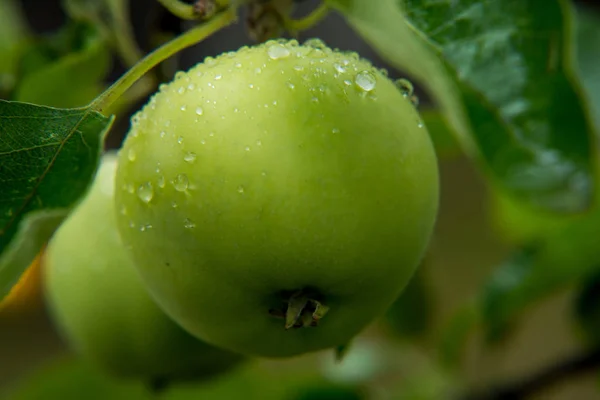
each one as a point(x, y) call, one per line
point(101, 306)
point(281, 186)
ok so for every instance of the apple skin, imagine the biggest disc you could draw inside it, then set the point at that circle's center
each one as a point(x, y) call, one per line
point(277, 168)
point(100, 305)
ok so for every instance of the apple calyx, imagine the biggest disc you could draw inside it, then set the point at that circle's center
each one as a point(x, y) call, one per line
point(301, 311)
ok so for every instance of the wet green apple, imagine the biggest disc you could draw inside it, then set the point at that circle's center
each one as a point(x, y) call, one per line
point(277, 199)
point(101, 306)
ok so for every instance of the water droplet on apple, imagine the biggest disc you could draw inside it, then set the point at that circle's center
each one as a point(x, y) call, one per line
point(339, 68)
point(405, 86)
point(199, 110)
point(131, 154)
point(365, 80)
point(181, 182)
point(277, 51)
point(189, 157)
point(188, 224)
point(145, 192)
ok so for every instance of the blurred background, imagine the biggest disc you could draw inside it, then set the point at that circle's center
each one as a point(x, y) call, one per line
point(386, 361)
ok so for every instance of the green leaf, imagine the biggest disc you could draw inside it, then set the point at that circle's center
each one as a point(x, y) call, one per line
point(48, 156)
point(562, 259)
point(67, 71)
point(13, 37)
point(501, 72)
point(588, 58)
point(517, 221)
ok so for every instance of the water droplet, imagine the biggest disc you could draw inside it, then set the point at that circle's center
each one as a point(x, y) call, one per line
point(405, 86)
point(339, 68)
point(180, 139)
point(277, 51)
point(130, 188)
point(414, 100)
point(218, 77)
point(161, 181)
point(181, 183)
point(238, 65)
point(189, 157)
point(145, 192)
point(144, 228)
point(314, 100)
point(179, 74)
point(298, 67)
point(168, 123)
point(240, 189)
point(131, 154)
point(189, 224)
point(131, 224)
point(174, 204)
point(183, 108)
point(291, 85)
point(251, 86)
point(163, 134)
point(259, 143)
point(347, 82)
point(247, 148)
point(191, 86)
point(335, 130)
point(211, 134)
point(420, 124)
point(202, 141)
point(258, 70)
point(181, 90)
point(315, 44)
point(365, 80)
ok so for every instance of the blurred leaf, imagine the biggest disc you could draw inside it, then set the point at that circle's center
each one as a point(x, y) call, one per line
point(587, 308)
point(565, 257)
point(71, 379)
point(47, 158)
point(454, 336)
point(13, 36)
point(588, 58)
point(445, 143)
point(502, 75)
point(67, 70)
point(410, 315)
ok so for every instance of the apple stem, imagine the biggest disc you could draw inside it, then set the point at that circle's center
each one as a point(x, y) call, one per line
point(187, 39)
point(297, 25)
point(301, 311)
